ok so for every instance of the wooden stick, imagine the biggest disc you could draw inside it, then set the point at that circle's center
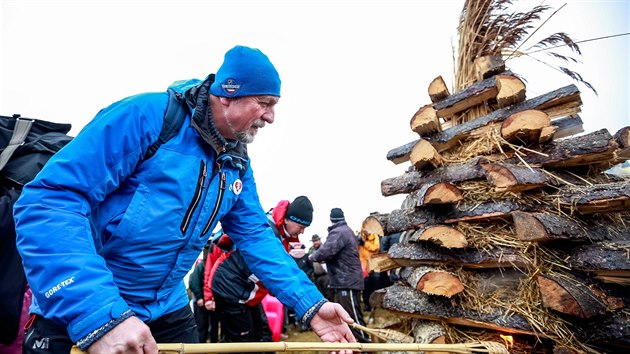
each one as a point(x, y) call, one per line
point(199, 348)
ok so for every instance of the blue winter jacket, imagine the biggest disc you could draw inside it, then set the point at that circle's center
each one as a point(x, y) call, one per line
point(102, 232)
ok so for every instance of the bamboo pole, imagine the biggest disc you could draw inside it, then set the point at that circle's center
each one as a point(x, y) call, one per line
point(199, 348)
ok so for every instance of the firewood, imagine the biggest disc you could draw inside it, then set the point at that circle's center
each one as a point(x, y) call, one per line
point(514, 178)
point(375, 223)
point(567, 126)
point(541, 227)
point(622, 137)
point(511, 90)
point(448, 138)
point(413, 180)
point(427, 254)
point(440, 235)
point(487, 66)
point(408, 302)
point(547, 133)
point(401, 154)
point(433, 193)
point(477, 93)
point(411, 218)
point(432, 281)
point(484, 211)
point(525, 126)
point(609, 261)
point(596, 147)
point(425, 121)
point(429, 332)
point(598, 198)
point(569, 295)
point(424, 154)
point(608, 334)
point(438, 89)
point(380, 262)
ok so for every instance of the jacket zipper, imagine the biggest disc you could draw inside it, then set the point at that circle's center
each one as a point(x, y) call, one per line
point(217, 206)
point(198, 190)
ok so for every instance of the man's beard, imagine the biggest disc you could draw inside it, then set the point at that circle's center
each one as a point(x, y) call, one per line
point(248, 135)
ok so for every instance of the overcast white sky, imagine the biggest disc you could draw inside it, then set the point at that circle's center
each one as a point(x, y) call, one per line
point(353, 74)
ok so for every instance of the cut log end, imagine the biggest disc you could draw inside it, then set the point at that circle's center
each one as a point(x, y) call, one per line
point(425, 121)
point(442, 193)
point(438, 89)
point(444, 236)
point(440, 283)
point(525, 126)
point(424, 154)
point(511, 90)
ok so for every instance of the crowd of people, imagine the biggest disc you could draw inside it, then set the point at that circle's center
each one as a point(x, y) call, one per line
point(114, 221)
point(338, 267)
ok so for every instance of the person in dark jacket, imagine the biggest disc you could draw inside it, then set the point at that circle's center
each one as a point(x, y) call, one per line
point(205, 318)
point(238, 291)
point(107, 235)
point(341, 254)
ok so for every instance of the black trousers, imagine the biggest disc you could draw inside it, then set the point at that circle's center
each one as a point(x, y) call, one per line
point(242, 323)
point(44, 336)
point(350, 300)
point(207, 324)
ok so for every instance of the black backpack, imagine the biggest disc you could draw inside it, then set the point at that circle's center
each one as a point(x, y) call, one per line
point(25, 146)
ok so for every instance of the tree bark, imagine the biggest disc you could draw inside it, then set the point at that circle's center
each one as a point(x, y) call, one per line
point(411, 181)
point(569, 295)
point(541, 227)
point(513, 178)
point(407, 301)
point(426, 254)
point(596, 147)
point(598, 198)
point(471, 96)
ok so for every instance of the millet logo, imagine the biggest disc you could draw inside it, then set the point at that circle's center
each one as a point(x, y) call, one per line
point(41, 343)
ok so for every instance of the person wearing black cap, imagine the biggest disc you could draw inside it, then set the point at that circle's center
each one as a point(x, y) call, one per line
point(129, 203)
point(345, 276)
point(238, 292)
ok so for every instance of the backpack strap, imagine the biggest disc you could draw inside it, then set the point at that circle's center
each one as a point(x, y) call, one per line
point(20, 131)
point(176, 111)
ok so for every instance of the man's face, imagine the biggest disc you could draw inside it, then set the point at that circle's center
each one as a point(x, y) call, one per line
point(294, 229)
point(245, 115)
point(317, 243)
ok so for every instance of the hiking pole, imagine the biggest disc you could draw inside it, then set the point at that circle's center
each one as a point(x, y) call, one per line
point(248, 347)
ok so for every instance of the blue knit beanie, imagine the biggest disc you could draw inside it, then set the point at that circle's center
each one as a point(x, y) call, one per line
point(246, 72)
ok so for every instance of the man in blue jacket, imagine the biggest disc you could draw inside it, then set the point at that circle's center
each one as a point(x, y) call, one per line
point(107, 235)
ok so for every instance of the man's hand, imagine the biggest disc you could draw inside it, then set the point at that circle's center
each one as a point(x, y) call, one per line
point(210, 305)
point(130, 336)
point(200, 302)
point(331, 325)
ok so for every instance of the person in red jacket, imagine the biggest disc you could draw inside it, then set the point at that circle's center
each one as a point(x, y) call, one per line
point(238, 292)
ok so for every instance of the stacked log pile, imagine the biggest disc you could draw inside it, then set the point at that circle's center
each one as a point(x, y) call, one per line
point(509, 225)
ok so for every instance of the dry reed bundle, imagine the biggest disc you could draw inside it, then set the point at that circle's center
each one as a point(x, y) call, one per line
point(490, 27)
point(388, 335)
point(198, 348)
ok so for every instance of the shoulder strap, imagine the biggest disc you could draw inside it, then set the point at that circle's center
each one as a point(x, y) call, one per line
point(20, 131)
point(173, 120)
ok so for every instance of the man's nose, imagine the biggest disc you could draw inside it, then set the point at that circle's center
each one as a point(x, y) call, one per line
point(269, 115)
